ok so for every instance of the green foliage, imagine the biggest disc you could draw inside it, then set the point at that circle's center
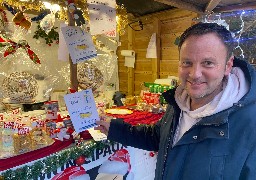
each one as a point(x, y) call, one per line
point(52, 36)
point(53, 162)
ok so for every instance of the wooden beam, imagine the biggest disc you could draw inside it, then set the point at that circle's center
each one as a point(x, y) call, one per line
point(237, 7)
point(156, 61)
point(130, 69)
point(182, 5)
point(211, 5)
point(73, 67)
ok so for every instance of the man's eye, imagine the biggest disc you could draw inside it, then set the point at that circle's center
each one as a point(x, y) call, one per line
point(186, 63)
point(208, 64)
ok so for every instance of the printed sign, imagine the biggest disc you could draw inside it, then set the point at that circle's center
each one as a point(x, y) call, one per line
point(91, 165)
point(79, 43)
point(82, 109)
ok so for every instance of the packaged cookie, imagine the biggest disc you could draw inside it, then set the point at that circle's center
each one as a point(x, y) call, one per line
point(6, 140)
point(22, 140)
point(39, 138)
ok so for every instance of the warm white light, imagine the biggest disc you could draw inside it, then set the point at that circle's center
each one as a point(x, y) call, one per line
point(52, 7)
point(47, 5)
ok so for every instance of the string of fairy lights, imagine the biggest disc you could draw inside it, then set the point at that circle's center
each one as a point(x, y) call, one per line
point(242, 25)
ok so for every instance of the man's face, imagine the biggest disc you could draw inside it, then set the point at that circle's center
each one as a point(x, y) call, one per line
point(203, 65)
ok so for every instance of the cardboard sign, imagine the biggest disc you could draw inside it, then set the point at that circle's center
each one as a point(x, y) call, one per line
point(82, 109)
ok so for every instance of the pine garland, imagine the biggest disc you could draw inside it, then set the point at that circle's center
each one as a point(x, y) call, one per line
point(55, 161)
point(53, 35)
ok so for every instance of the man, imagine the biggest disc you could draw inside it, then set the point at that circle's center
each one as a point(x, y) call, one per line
point(208, 130)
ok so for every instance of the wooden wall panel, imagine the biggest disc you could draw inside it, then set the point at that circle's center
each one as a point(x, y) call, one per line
point(177, 25)
point(170, 53)
point(143, 66)
point(169, 66)
point(168, 39)
point(168, 25)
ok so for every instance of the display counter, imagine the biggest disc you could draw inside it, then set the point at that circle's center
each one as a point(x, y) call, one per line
point(61, 158)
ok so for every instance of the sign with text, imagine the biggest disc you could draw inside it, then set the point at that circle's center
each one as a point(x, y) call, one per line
point(79, 43)
point(102, 15)
point(82, 109)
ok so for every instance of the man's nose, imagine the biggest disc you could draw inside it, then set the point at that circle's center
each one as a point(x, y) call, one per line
point(195, 72)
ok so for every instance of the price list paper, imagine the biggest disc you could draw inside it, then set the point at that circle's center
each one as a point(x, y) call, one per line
point(82, 109)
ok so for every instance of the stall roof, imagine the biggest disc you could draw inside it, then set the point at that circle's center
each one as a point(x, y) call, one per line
point(143, 7)
point(207, 6)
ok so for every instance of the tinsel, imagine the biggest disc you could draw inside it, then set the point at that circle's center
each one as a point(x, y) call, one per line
point(30, 5)
point(53, 162)
point(122, 19)
point(62, 14)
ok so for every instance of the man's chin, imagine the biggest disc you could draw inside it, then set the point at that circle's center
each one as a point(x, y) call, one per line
point(196, 95)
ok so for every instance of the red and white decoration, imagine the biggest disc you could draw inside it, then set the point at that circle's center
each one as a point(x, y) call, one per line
point(118, 163)
point(72, 173)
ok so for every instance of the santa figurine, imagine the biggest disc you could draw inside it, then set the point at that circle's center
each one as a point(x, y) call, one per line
point(117, 165)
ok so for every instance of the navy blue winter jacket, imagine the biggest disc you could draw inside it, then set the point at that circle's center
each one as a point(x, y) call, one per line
point(219, 147)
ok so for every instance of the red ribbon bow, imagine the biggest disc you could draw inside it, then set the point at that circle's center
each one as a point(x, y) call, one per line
point(13, 46)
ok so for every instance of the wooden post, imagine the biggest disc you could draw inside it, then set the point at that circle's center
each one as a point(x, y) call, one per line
point(156, 61)
point(130, 69)
point(73, 67)
point(211, 5)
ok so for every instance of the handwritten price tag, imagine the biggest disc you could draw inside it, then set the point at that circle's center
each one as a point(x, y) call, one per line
point(82, 109)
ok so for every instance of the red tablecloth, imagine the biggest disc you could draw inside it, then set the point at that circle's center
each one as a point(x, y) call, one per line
point(33, 155)
point(139, 117)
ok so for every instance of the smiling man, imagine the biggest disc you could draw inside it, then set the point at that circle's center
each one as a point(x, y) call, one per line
point(208, 130)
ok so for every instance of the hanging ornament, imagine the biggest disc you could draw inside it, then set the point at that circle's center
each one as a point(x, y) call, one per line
point(80, 160)
point(76, 14)
point(47, 22)
point(20, 20)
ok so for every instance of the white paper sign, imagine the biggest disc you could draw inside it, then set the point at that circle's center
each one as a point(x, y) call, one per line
point(82, 109)
point(151, 50)
point(62, 50)
point(79, 43)
point(102, 15)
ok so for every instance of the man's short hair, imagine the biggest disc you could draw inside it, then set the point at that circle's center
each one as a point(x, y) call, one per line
point(205, 28)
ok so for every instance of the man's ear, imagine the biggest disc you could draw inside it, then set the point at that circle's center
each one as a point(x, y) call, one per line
point(229, 65)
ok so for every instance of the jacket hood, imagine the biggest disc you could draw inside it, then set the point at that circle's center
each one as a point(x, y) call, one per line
point(250, 75)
